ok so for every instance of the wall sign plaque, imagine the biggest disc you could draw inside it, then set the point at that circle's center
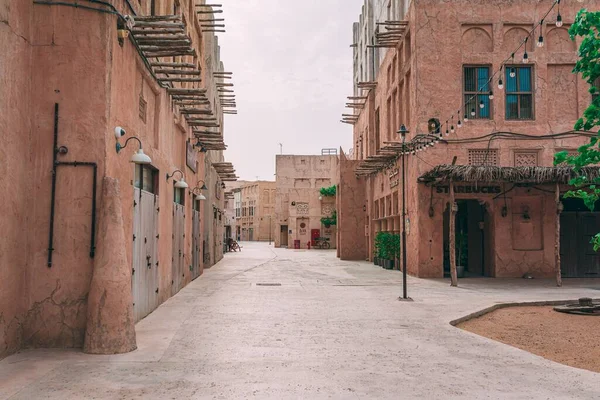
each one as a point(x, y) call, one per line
point(470, 189)
point(191, 158)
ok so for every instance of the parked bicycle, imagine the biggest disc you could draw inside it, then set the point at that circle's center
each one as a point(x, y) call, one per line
point(322, 243)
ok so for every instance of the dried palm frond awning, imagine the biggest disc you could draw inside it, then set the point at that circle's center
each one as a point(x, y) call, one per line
point(531, 175)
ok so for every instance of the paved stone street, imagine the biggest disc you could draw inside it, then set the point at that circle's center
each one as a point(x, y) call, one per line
point(332, 329)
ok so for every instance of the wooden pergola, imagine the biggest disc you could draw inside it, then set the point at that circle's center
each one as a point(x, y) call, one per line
point(448, 174)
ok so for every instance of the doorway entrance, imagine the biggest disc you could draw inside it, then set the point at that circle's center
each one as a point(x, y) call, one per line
point(577, 227)
point(472, 239)
point(283, 239)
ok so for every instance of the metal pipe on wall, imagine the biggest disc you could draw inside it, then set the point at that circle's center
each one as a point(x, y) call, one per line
point(55, 164)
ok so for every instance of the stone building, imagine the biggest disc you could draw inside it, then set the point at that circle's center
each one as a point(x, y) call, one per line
point(255, 211)
point(484, 127)
point(73, 76)
point(299, 206)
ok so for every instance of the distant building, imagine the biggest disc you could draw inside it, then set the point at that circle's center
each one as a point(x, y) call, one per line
point(299, 206)
point(254, 210)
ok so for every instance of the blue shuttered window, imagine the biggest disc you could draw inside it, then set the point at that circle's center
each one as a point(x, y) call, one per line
point(476, 90)
point(519, 93)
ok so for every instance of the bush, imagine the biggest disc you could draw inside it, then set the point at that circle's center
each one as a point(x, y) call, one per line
point(328, 191)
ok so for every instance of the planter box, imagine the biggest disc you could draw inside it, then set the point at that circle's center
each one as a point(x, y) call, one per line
point(375, 261)
point(389, 264)
point(380, 262)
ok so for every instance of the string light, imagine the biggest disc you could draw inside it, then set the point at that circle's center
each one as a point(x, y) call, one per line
point(540, 42)
point(512, 72)
point(500, 81)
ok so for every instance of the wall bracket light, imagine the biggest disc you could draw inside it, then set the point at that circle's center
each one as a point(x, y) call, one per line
point(139, 157)
point(198, 191)
point(181, 184)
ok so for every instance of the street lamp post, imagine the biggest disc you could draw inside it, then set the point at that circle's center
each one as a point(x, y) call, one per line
point(403, 131)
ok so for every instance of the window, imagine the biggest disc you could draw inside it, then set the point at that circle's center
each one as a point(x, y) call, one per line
point(143, 104)
point(476, 91)
point(596, 92)
point(519, 93)
point(145, 178)
point(377, 132)
point(179, 195)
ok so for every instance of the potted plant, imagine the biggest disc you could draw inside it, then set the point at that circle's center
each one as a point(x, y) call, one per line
point(379, 248)
point(389, 255)
point(461, 253)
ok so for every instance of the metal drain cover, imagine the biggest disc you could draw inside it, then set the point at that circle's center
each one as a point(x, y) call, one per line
point(268, 284)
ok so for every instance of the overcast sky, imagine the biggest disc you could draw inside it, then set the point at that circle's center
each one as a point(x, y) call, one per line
point(292, 66)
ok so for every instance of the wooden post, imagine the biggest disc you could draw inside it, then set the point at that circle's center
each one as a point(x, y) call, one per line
point(452, 238)
point(557, 238)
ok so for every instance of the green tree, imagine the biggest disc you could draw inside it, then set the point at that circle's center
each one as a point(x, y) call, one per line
point(586, 26)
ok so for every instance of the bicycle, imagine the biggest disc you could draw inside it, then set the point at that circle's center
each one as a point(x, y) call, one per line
point(322, 243)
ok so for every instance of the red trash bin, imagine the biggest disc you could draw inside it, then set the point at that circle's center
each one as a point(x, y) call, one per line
point(297, 244)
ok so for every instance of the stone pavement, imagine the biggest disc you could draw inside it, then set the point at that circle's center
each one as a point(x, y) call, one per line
point(332, 330)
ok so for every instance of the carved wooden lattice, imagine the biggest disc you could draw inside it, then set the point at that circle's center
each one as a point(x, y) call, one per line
point(327, 210)
point(302, 208)
point(526, 159)
point(483, 157)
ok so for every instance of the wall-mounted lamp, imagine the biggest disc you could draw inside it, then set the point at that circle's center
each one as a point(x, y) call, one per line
point(179, 184)
point(198, 191)
point(139, 157)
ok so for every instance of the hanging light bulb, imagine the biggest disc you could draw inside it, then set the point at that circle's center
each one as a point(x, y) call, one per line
point(451, 128)
point(466, 118)
point(540, 42)
point(491, 95)
point(525, 57)
point(481, 105)
point(512, 72)
point(500, 84)
point(447, 131)
point(559, 21)
point(459, 124)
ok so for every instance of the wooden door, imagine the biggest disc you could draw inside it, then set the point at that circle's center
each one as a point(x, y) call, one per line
point(588, 224)
point(177, 270)
point(144, 282)
point(568, 244)
point(284, 235)
point(196, 245)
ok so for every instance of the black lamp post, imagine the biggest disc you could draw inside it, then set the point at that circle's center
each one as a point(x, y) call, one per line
point(403, 131)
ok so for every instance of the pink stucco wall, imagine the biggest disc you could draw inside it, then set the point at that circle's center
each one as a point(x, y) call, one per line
point(72, 57)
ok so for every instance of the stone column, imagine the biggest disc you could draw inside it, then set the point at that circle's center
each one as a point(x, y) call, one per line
point(110, 324)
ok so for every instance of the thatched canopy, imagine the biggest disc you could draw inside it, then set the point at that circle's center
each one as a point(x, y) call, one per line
point(532, 175)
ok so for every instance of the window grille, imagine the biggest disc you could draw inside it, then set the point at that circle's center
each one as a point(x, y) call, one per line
point(483, 157)
point(519, 93)
point(476, 91)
